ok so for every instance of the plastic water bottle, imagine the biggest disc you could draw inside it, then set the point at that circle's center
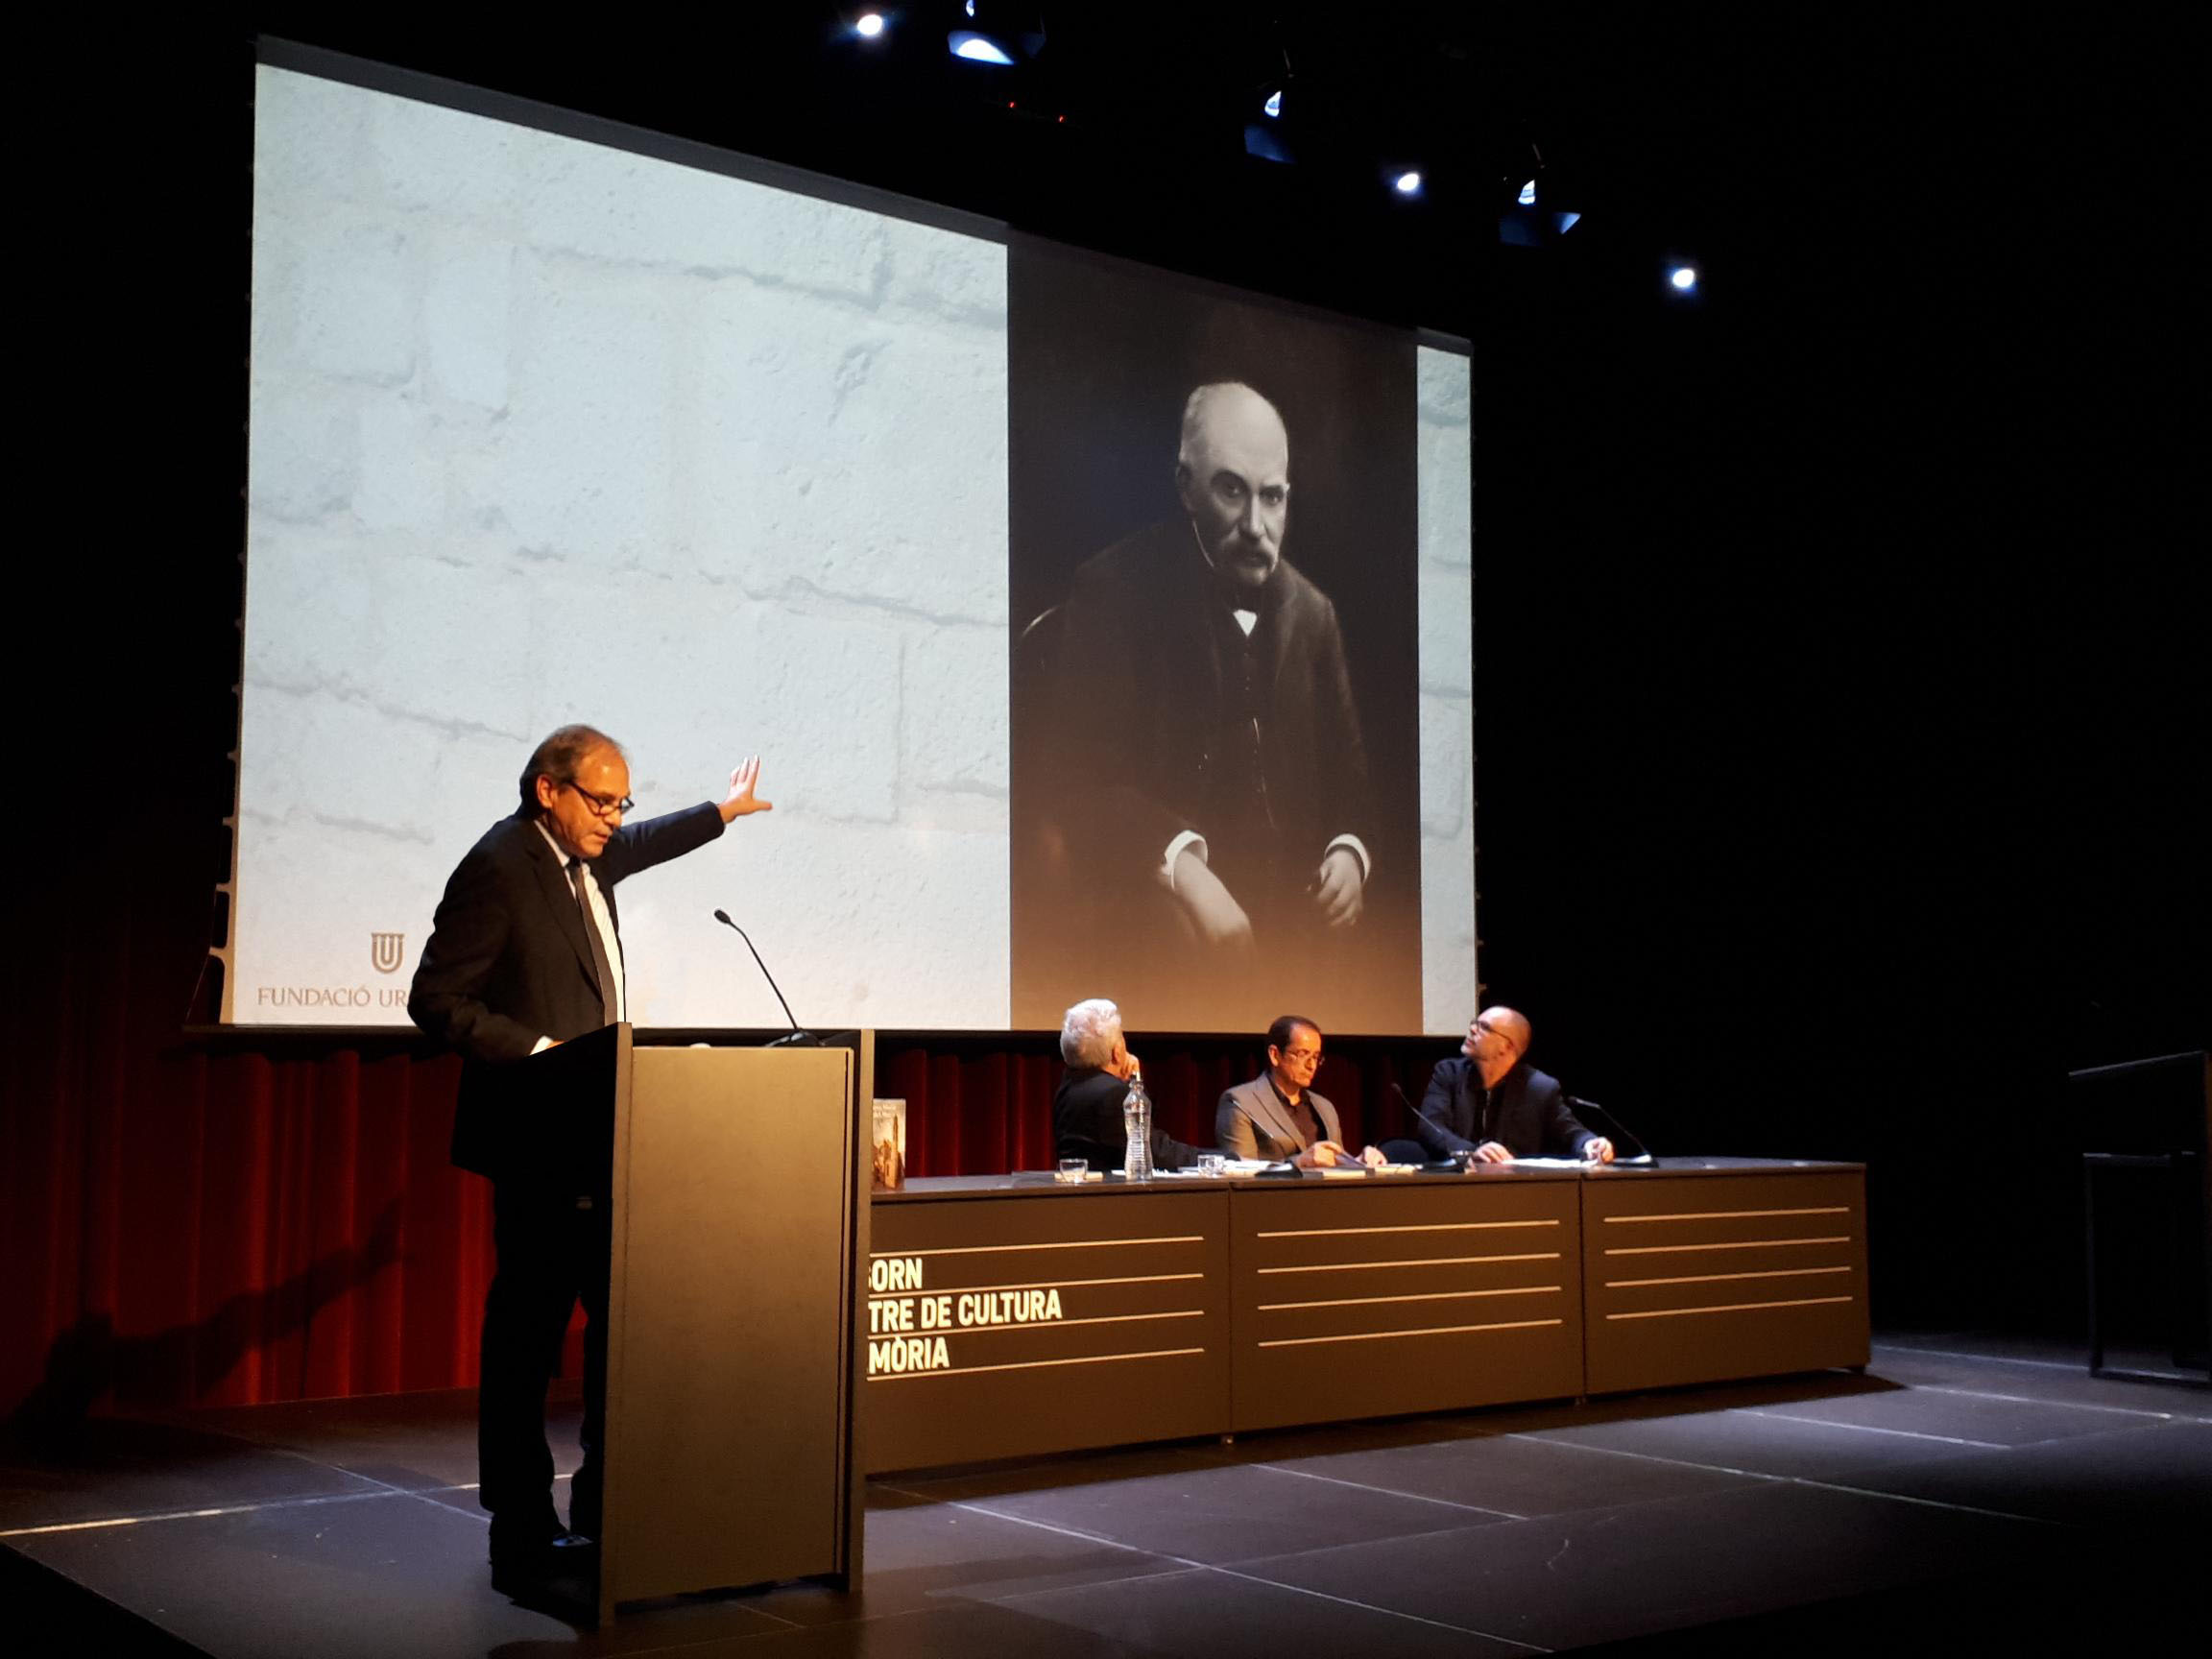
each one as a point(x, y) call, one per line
point(1137, 1124)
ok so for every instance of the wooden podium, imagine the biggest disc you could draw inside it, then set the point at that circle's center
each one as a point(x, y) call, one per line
point(737, 1179)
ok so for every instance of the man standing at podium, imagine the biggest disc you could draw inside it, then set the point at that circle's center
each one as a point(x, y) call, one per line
point(525, 953)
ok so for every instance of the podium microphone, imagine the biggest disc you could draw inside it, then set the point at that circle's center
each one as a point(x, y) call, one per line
point(798, 1038)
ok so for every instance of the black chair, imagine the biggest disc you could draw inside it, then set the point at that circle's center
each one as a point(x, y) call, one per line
point(2155, 1115)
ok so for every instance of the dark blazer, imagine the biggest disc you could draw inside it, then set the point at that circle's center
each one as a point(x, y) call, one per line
point(1141, 675)
point(1250, 1122)
point(1087, 1123)
point(1529, 1115)
point(508, 962)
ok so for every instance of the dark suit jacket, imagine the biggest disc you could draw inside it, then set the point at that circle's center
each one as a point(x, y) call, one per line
point(1529, 1115)
point(508, 962)
point(1087, 1123)
point(1140, 676)
point(1250, 1122)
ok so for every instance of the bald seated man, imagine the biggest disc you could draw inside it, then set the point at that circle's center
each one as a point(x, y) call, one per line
point(1210, 760)
point(1491, 1102)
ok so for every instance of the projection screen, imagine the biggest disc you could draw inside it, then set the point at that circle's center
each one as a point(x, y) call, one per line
point(551, 421)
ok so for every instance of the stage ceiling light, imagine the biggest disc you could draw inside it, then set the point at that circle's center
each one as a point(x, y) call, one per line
point(1407, 183)
point(977, 48)
point(1532, 216)
point(868, 25)
point(1683, 278)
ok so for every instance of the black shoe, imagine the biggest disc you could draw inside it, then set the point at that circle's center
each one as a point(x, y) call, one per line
point(515, 1525)
point(564, 1560)
point(537, 1551)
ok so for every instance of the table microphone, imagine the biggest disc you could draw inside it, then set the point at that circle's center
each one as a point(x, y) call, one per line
point(1622, 1137)
point(798, 1038)
point(1413, 1113)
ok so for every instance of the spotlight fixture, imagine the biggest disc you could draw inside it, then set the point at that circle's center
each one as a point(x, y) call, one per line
point(977, 48)
point(869, 25)
point(1683, 278)
point(1407, 183)
point(1268, 138)
point(1013, 36)
point(1538, 211)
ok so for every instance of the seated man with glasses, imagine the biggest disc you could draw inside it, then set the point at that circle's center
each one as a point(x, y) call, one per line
point(526, 952)
point(1277, 1114)
point(1491, 1104)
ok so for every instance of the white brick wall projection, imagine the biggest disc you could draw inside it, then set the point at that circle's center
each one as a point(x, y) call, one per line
point(544, 431)
point(1447, 659)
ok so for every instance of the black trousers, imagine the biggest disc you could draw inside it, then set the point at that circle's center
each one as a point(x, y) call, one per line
point(551, 1252)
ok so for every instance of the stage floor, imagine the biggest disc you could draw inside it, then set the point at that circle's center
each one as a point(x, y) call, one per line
point(1941, 1500)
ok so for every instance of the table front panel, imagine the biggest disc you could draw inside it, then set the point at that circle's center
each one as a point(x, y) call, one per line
point(1385, 1298)
point(1004, 1328)
point(1696, 1279)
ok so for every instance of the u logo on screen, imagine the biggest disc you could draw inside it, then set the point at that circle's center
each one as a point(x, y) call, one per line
point(385, 951)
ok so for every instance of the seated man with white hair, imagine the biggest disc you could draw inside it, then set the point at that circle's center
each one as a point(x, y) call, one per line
point(1087, 1106)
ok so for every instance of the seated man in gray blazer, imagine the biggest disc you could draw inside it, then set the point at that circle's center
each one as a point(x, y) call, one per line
point(1277, 1114)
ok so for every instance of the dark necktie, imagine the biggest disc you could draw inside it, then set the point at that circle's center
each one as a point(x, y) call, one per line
point(602, 968)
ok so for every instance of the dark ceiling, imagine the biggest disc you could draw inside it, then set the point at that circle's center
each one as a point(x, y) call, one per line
point(1807, 149)
point(1126, 130)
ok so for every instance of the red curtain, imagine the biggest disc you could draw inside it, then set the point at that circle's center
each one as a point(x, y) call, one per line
point(237, 1219)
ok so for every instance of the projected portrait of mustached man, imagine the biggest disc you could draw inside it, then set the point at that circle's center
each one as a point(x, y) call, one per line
point(1194, 796)
point(1214, 673)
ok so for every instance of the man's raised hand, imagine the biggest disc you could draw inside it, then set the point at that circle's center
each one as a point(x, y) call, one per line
point(742, 800)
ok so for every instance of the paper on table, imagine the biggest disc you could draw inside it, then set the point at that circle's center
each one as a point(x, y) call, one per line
point(1229, 1166)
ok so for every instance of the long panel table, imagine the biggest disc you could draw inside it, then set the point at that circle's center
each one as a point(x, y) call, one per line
point(1010, 1317)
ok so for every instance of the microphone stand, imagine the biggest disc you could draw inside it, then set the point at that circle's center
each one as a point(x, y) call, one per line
point(1595, 1117)
point(798, 1038)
